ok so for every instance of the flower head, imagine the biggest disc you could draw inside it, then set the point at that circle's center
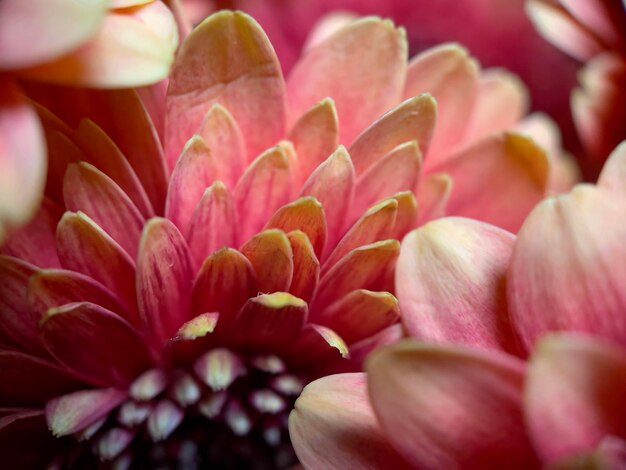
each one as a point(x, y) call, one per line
point(176, 298)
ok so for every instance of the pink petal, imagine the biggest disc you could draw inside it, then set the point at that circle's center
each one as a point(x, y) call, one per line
point(305, 214)
point(263, 188)
point(315, 136)
point(406, 217)
point(571, 240)
point(502, 101)
point(306, 267)
point(16, 318)
point(269, 320)
point(360, 350)
point(320, 347)
point(22, 150)
point(104, 154)
point(573, 394)
point(367, 267)
point(397, 171)
point(74, 412)
point(333, 426)
point(227, 59)
point(613, 175)
point(40, 30)
point(557, 26)
point(605, 19)
point(433, 195)
point(61, 152)
point(226, 142)
point(195, 170)
point(164, 279)
point(213, 224)
point(23, 376)
point(223, 284)
point(368, 54)
point(88, 190)
point(131, 48)
point(35, 242)
point(360, 314)
point(85, 248)
point(95, 343)
point(497, 180)
point(332, 184)
point(411, 120)
point(271, 257)
point(451, 283)
point(450, 75)
point(50, 288)
point(451, 407)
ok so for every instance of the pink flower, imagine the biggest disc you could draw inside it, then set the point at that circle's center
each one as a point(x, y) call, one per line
point(592, 32)
point(175, 299)
point(93, 43)
point(484, 299)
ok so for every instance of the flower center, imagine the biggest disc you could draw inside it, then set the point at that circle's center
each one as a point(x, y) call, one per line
point(228, 411)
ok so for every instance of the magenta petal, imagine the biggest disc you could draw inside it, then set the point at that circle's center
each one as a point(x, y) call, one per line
point(22, 430)
point(74, 412)
point(95, 343)
point(164, 279)
point(451, 407)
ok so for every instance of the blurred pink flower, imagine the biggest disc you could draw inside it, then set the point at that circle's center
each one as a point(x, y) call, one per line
point(169, 301)
point(489, 298)
point(592, 31)
point(93, 43)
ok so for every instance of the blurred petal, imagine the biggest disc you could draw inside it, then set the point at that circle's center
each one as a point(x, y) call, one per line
point(432, 195)
point(129, 49)
point(333, 426)
point(227, 59)
point(368, 56)
point(574, 391)
point(451, 282)
point(40, 30)
point(22, 152)
point(497, 180)
point(451, 407)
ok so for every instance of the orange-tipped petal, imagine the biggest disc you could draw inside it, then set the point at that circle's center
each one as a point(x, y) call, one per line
point(450, 75)
point(448, 407)
point(22, 155)
point(269, 319)
point(315, 136)
point(226, 142)
point(164, 279)
point(305, 214)
point(332, 184)
point(193, 173)
point(367, 54)
point(406, 217)
point(433, 195)
point(317, 345)
point(87, 189)
point(40, 30)
point(85, 248)
point(333, 426)
point(501, 102)
point(117, 352)
point(227, 59)
point(223, 284)
point(412, 120)
point(263, 188)
point(271, 257)
point(397, 171)
point(562, 30)
point(572, 240)
point(497, 180)
point(213, 223)
point(360, 314)
point(573, 391)
point(306, 267)
point(451, 282)
point(367, 267)
point(130, 49)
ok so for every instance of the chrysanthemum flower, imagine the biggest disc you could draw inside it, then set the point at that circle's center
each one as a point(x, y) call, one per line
point(96, 43)
point(592, 32)
point(478, 405)
point(167, 306)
